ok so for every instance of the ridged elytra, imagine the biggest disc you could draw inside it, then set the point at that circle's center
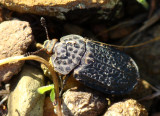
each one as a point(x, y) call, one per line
point(96, 65)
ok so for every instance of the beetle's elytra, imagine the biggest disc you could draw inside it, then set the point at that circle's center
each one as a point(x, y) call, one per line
point(96, 65)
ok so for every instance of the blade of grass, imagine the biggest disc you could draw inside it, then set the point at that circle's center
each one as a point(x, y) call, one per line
point(44, 89)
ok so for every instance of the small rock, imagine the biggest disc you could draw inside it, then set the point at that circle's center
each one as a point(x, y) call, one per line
point(55, 7)
point(83, 102)
point(24, 100)
point(127, 108)
point(15, 38)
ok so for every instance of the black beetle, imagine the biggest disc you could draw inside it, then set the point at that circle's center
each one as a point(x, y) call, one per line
point(95, 64)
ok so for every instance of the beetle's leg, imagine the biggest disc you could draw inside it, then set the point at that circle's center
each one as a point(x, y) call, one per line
point(33, 53)
point(65, 78)
point(60, 82)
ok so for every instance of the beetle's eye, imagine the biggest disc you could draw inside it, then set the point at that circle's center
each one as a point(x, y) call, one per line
point(45, 44)
point(53, 51)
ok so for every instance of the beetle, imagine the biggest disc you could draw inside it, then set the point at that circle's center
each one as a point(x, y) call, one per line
point(96, 65)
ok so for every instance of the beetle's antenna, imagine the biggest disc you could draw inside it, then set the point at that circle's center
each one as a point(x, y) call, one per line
point(43, 23)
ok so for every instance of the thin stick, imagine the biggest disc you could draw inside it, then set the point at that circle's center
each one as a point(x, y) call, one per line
point(149, 97)
point(3, 100)
point(131, 46)
point(50, 68)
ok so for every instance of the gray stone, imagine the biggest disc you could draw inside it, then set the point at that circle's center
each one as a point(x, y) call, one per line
point(24, 100)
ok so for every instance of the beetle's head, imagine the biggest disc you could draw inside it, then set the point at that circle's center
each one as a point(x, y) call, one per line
point(49, 45)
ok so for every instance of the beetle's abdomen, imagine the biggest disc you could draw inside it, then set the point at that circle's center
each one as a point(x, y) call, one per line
point(107, 69)
point(68, 53)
